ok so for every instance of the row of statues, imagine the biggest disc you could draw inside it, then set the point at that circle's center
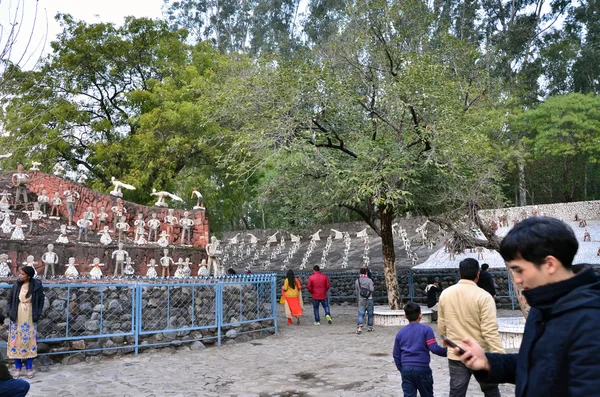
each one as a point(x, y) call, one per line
point(123, 265)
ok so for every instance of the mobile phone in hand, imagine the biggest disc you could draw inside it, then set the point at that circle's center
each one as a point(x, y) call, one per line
point(452, 344)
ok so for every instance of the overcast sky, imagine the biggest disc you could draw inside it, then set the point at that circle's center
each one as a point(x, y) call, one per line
point(87, 10)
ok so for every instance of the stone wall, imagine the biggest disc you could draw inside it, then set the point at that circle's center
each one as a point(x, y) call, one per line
point(108, 310)
point(564, 211)
point(92, 198)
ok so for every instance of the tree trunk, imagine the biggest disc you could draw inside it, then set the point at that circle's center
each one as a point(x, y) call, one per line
point(389, 258)
point(522, 187)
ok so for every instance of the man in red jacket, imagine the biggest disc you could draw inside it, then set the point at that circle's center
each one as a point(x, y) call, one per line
point(318, 285)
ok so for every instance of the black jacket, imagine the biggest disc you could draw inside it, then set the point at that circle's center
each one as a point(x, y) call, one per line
point(432, 291)
point(37, 299)
point(560, 349)
point(486, 281)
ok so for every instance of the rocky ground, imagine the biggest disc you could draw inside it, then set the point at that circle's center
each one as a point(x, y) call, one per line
point(302, 361)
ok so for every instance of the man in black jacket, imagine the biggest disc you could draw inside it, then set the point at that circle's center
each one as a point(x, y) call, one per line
point(433, 290)
point(559, 353)
point(486, 281)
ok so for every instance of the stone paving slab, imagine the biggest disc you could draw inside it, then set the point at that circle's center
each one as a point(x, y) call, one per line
point(302, 361)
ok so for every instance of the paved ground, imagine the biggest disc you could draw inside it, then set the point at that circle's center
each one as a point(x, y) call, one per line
point(303, 361)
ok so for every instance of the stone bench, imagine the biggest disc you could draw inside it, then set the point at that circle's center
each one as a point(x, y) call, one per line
point(511, 331)
point(386, 317)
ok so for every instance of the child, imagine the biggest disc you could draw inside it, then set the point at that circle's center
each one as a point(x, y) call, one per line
point(411, 353)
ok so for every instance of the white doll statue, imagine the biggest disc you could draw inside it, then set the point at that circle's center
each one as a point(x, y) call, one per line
point(186, 267)
point(71, 271)
point(179, 273)
point(30, 261)
point(96, 272)
point(4, 203)
point(34, 218)
point(43, 200)
point(105, 236)
point(151, 273)
point(17, 233)
point(56, 204)
point(7, 226)
point(203, 269)
point(129, 270)
point(213, 250)
point(63, 238)
point(4, 265)
point(119, 257)
point(49, 259)
point(163, 241)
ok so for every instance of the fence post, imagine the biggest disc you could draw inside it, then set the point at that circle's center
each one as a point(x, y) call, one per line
point(137, 303)
point(274, 302)
point(411, 287)
point(219, 309)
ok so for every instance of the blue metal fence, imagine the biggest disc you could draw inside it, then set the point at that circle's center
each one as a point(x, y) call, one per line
point(138, 312)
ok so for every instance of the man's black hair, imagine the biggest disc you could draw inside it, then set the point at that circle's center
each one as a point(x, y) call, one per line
point(363, 270)
point(412, 311)
point(468, 268)
point(533, 239)
point(316, 268)
point(485, 266)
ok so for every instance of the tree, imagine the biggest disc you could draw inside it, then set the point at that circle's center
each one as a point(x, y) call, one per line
point(373, 122)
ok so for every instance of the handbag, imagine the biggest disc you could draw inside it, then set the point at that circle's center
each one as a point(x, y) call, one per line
point(364, 292)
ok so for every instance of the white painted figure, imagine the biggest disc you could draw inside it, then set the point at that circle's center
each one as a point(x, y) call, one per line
point(161, 198)
point(84, 225)
point(119, 256)
point(214, 252)
point(35, 166)
point(96, 272)
point(153, 226)
point(186, 227)
point(49, 259)
point(166, 262)
point(118, 186)
point(129, 270)
point(105, 236)
point(17, 233)
point(71, 271)
point(63, 238)
point(179, 273)
point(203, 269)
point(199, 199)
point(163, 240)
point(151, 272)
point(19, 181)
point(4, 265)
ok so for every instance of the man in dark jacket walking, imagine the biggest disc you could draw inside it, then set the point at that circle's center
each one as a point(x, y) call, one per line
point(318, 285)
point(559, 353)
point(486, 281)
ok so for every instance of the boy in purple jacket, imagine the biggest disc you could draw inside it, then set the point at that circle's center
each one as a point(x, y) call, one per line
point(411, 353)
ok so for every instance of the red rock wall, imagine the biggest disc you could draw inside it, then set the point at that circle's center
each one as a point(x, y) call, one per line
point(91, 198)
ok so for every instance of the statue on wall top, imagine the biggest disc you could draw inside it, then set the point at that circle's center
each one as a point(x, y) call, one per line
point(161, 198)
point(35, 166)
point(118, 186)
point(199, 199)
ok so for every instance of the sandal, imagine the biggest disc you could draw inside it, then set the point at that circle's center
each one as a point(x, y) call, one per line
point(17, 374)
point(298, 320)
point(30, 374)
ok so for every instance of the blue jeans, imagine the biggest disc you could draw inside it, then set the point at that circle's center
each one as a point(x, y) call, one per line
point(416, 378)
point(325, 304)
point(365, 305)
point(13, 388)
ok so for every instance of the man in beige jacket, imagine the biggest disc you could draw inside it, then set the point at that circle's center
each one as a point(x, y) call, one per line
point(467, 311)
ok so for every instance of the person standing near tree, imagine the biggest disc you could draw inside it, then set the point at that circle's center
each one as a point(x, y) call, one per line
point(364, 294)
point(318, 286)
point(465, 310)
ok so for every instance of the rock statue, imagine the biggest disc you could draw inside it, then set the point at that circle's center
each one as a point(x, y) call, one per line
point(234, 239)
point(294, 238)
point(362, 233)
point(337, 234)
point(34, 219)
point(71, 271)
point(19, 181)
point(30, 261)
point(187, 267)
point(118, 211)
point(179, 273)
point(141, 240)
point(70, 197)
point(186, 228)
point(161, 198)
point(6, 226)
point(58, 170)
point(200, 200)
point(43, 200)
point(122, 228)
point(63, 238)
point(170, 221)
point(118, 186)
point(214, 252)
point(96, 272)
point(129, 270)
point(163, 240)
point(203, 269)
point(105, 236)
point(153, 226)
point(5, 156)
point(272, 238)
point(89, 215)
point(49, 259)
point(4, 203)
point(4, 265)
point(35, 166)
point(119, 256)
point(316, 237)
point(102, 218)
point(56, 204)
point(165, 262)
point(140, 226)
point(17, 233)
point(151, 272)
point(253, 239)
point(82, 179)
point(84, 225)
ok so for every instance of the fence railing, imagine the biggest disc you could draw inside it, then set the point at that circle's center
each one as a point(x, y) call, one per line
point(129, 314)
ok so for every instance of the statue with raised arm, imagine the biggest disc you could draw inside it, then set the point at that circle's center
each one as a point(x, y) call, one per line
point(19, 181)
point(161, 198)
point(186, 228)
point(119, 257)
point(118, 186)
point(214, 252)
point(199, 199)
point(49, 259)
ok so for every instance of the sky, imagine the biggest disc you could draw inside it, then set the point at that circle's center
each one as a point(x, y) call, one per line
point(88, 10)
